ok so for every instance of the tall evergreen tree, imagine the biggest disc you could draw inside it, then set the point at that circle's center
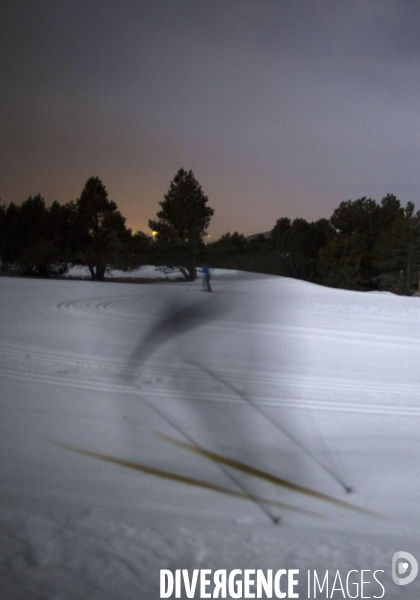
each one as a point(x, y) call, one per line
point(182, 223)
point(100, 230)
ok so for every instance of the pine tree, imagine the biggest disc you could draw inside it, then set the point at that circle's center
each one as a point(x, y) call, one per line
point(100, 229)
point(182, 222)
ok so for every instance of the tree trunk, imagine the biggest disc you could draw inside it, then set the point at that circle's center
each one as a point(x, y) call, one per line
point(185, 273)
point(100, 272)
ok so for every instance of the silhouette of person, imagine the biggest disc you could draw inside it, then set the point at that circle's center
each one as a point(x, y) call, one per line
point(206, 279)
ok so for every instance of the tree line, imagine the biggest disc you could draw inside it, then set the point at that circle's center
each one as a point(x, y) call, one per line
point(365, 245)
point(90, 232)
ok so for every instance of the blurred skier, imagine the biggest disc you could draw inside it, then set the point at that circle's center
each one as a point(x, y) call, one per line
point(206, 279)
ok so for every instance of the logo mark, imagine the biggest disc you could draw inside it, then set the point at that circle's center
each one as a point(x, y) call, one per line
point(404, 568)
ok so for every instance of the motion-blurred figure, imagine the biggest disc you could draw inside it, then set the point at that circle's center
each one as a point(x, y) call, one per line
point(206, 277)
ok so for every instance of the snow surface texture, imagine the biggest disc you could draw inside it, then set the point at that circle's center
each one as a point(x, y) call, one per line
point(319, 387)
point(146, 272)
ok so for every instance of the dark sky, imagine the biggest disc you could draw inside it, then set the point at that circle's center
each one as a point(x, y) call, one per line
point(280, 107)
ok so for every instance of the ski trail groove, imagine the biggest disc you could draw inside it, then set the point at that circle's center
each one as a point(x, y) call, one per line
point(302, 404)
point(323, 384)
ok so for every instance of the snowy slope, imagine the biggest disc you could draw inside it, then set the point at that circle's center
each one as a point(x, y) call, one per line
point(318, 387)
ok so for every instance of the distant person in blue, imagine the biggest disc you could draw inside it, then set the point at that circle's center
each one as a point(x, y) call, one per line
point(206, 279)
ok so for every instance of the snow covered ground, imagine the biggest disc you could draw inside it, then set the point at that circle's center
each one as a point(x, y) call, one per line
point(314, 387)
point(146, 272)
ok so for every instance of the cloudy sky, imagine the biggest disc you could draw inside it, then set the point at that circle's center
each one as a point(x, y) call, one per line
point(280, 107)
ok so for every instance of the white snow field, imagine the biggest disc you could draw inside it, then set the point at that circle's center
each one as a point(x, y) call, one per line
point(114, 395)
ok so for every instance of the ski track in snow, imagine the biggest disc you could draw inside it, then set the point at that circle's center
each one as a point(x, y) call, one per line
point(106, 307)
point(29, 366)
